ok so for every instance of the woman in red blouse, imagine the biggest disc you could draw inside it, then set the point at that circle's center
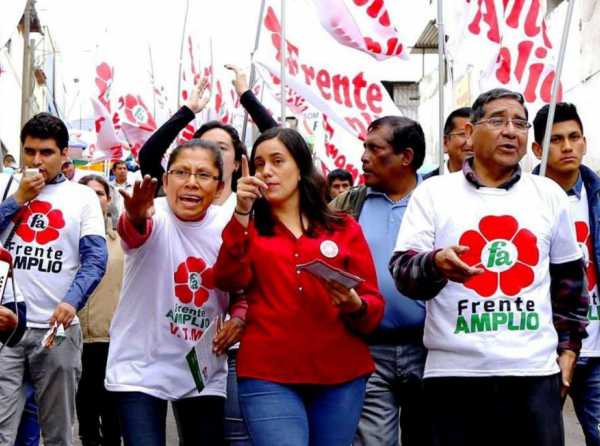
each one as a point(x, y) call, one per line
point(302, 365)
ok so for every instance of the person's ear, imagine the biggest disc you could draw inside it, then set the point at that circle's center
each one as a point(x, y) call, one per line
point(408, 156)
point(537, 150)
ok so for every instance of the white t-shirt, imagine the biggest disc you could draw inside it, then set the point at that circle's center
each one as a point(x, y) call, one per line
point(45, 246)
point(498, 323)
point(166, 303)
point(581, 217)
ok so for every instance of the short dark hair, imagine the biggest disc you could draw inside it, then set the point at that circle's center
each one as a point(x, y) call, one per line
point(312, 186)
point(405, 133)
point(564, 112)
point(118, 163)
point(98, 179)
point(238, 145)
point(339, 174)
point(199, 144)
point(46, 126)
point(477, 110)
point(464, 112)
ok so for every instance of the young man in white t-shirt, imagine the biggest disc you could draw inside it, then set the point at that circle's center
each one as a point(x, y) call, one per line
point(55, 232)
point(493, 252)
point(567, 148)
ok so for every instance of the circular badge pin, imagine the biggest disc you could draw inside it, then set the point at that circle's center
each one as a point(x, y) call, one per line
point(329, 249)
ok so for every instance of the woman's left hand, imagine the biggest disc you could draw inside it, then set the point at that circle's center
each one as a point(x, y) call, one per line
point(346, 299)
point(228, 334)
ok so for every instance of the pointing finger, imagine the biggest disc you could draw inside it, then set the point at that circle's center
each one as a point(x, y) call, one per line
point(245, 167)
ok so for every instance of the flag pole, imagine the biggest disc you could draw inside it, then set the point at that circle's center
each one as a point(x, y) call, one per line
point(442, 73)
point(185, 19)
point(555, 87)
point(252, 67)
point(283, 62)
point(26, 82)
point(153, 80)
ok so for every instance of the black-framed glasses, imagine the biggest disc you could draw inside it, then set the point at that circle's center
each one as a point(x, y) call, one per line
point(498, 123)
point(184, 175)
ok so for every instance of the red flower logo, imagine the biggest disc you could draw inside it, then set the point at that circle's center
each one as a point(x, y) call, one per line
point(193, 280)
point(505, 253)
point(40, 222)
point(137, 113)
point(104, 79)
point(585, 244)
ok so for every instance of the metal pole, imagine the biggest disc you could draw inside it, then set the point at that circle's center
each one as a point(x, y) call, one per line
point(26, 74)
point(153, 81)
point(283, 62)
point(252, 67)
point(187, 7)
point(442, 72)
point(555, 85)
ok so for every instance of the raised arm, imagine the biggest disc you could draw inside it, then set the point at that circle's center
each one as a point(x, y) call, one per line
point(153, 151)
point(258, 112)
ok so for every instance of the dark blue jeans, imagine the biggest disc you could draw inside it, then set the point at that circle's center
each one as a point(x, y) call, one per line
point(585, 393)
point(143, 419)
point(29, 428)
point(236, 433)
point(301, 415)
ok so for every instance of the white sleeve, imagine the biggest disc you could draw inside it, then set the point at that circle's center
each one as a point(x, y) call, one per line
point(92, 220)
point(563, 246)
point(417, 231)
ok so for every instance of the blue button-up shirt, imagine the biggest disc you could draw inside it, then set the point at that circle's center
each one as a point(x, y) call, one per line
point(380, 220)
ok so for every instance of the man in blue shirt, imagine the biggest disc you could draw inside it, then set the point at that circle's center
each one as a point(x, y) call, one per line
point(394, 150)
point(55, 232)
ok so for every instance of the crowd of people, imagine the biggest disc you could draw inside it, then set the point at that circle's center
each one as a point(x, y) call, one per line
point(473, 316)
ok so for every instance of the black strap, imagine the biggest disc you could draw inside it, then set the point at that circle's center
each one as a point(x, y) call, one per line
point(10, 180)
point(17, 222)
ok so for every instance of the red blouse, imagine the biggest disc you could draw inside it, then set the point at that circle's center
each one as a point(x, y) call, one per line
point(294, 333)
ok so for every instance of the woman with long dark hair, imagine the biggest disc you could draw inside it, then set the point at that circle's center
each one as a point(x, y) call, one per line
point(302, 365)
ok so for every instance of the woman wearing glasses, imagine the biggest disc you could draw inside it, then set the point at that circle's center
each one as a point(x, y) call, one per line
point(302, 365)
point(168, 300)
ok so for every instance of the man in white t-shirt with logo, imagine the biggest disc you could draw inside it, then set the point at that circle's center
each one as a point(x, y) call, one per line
point(582, 185)
point(55, 232)
point(493, 251)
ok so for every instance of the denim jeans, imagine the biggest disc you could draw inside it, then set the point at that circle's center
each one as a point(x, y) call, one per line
point(301, 415)
point(585, 392)
point(236, 433)
point(29, 428)
point(143, 419)
point(397, 383)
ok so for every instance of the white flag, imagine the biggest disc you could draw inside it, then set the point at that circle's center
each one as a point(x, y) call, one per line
point(362, 24)
point(507, 42)
point(350, 98)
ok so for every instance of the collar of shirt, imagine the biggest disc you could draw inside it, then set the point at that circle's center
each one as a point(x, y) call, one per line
point(125, 185)
point(403, 200)
point(57, 179)
point(472, 177)
point(576, 189)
